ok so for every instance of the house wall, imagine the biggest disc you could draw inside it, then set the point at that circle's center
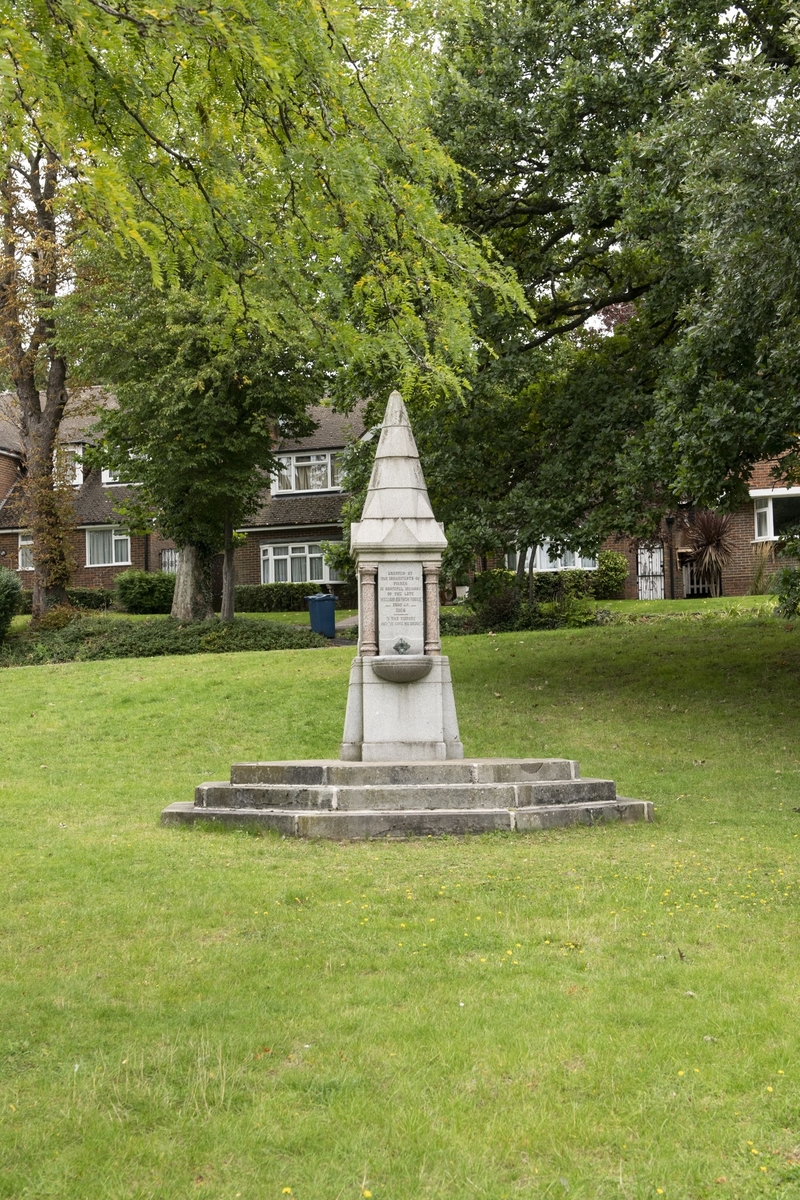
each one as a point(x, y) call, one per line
point(9, 474)
point(247, 558)
point(738, 575)
point(8, 551)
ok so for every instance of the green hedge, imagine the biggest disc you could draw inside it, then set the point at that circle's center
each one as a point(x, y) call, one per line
point(91, 638)
point(288, 597)
point(93, 599)
point(10, 589)
point(146, 592)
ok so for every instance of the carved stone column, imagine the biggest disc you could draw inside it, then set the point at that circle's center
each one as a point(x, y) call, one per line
point(368, 610)
point(432, 643)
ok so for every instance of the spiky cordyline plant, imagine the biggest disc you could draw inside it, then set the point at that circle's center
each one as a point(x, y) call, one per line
point(711, 543)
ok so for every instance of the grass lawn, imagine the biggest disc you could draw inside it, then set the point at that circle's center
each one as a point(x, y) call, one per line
point(587, 1013)
point(700, 604)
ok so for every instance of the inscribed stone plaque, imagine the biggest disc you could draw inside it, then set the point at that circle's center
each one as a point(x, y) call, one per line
point(401, 628)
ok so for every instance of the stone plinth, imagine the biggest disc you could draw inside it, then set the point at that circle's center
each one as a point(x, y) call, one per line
point(357, 800)
point(392, 719)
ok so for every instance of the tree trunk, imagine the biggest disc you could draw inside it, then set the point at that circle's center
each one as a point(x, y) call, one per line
point(521, 551)
point(228, 577)
point(32, 270)
point(192, 598)
point(49, 514)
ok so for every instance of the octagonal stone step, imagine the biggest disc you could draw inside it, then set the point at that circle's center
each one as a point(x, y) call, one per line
point(384, 797)
point(391, 824)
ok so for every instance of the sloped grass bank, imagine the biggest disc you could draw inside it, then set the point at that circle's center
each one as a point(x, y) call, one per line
point(593, 1013)
point(88, 639)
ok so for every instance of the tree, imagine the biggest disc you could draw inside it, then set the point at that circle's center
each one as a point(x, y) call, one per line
point(616, 156)
point(39, 222)
point(200, 408)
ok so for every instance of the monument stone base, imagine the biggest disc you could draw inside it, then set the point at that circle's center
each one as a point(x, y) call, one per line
point(412, 694)
point(358, 800)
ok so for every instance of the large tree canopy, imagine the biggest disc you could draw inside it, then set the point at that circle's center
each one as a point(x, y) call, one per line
point(618, 155)
point(283, 147)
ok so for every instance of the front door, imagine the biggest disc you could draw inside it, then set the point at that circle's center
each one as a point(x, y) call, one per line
point(651, 572)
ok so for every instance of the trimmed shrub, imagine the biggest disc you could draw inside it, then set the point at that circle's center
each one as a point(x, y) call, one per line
point(97, 599)
point(560, 585)
point(274, 597)
point(253, 597)
point(609, 578)
point(10, 592)
point(92, 599)
point(144, 591)
point(453, 622)
point(92, 638)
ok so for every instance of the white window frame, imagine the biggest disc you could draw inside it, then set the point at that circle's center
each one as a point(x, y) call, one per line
point(72, 453)
point(117, 536)
point(570, 560)
point(25, 551)
point(290, 463)
point(109, 477)
point(762, 503)
point(289, 552)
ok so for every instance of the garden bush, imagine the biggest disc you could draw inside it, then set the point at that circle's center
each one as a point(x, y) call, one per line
point(97, 599)
point(10, 591)
point(289, 597)
point(558, 585)
point(57, 617)
point(146, 592)
point(785, 583)
point(92, 638)
point(454, 622)
point(608, 581)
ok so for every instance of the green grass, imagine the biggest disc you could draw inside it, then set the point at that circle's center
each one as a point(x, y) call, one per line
point(588, 1013)
point(700, 604)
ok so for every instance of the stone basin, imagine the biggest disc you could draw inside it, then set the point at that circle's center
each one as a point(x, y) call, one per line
point(401, 668)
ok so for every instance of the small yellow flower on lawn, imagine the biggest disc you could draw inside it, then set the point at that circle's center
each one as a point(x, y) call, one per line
point(366, 1193)
point(660, 1191)
point(680, 1072)
point(769, 1089)
point(287, 1191)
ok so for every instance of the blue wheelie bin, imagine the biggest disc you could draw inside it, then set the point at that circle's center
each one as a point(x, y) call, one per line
point(322, 608)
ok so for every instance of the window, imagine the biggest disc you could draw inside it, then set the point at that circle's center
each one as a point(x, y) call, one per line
point(69, 461)
point(25, 552)
point(775, 514)
point(107, 548)
point(295, 564)
point(169, 561)
point(308, 472)
point(763, 519)
point(108, 476)
point(570, 560)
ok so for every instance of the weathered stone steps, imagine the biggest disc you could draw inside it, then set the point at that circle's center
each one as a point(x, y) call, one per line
point(404, 823)
point(406, 796)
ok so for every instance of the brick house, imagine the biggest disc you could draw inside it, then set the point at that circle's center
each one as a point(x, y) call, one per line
point(660, 570)
point(301, 510)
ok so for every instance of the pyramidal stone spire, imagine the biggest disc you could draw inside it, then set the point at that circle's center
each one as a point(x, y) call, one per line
point(397, 512)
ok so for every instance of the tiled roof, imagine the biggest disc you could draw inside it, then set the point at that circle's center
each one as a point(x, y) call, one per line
point(94, 504)
point(333, 430)
point(322, 509)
